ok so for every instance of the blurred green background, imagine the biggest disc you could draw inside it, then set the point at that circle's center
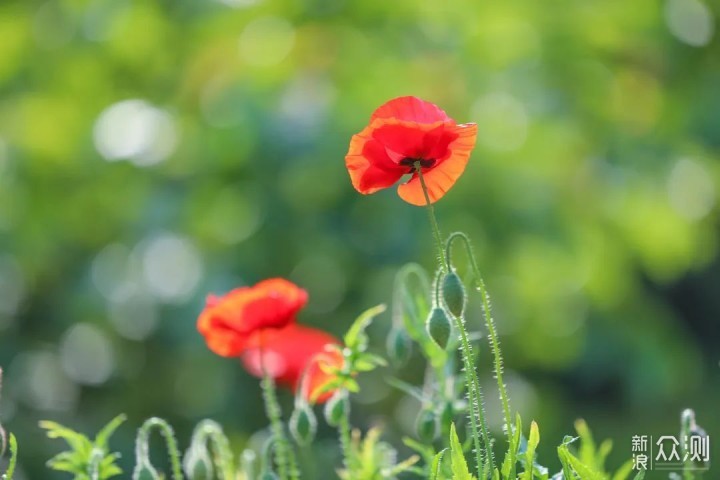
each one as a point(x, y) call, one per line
point(154, 151)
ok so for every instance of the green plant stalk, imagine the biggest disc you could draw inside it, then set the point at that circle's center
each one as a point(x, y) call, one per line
point(492, 331)
point(477, 413)
point(433, 219)
point(210, 431)
point(142, 442)
point(284, 455)
point(477, 417)
point(345, 441)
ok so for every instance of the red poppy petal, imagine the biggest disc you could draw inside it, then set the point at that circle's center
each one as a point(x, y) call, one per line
point(407, 140)
point(228, 322)
point(220, 339)
point(441, 177)
point(410, 109)
point(369, 166)
point(287, 353)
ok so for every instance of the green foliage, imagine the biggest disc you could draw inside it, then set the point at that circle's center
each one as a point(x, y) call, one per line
point(460, 469)
point(355, 356)
point(8, 475)
point(374, 459)
point(87, 459)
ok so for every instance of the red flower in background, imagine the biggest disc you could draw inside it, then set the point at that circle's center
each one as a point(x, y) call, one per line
point(235, 322)
point(401, 132)
point(286, 354)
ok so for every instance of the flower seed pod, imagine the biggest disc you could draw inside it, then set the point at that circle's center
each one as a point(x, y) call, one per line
point(197, 465)
point(337, 407)
point(399, 346)
point(453, 293)
point(303, 424)
point(438, 326)
point(426, 425)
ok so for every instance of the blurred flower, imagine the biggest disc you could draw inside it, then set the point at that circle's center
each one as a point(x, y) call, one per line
point(402, 132)
point(288, 353)
point(239, 320)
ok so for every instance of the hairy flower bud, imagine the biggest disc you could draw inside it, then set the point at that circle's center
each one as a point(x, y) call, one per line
point(453, 293)
point(438, 326)
point(426, 425)
point(303, 424)
point(337, 407)
point(399, 346)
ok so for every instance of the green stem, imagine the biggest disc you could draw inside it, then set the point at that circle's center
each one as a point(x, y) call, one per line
point(285, 457)
point(477, 416)
point(433, 220)
point(208, 434)
point(477, 411)
point(490, 324)
point(346, 441)
point(142, 445)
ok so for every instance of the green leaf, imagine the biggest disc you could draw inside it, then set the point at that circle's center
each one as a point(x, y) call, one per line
point(405, 387)
point(102, 438)
point(624, 471)
point(13, 458)
point(355, 338)
point(459, 464)
point(511, 455)
point(366, 362)
point(437, 464)
point(573, 464)
point(532, 444)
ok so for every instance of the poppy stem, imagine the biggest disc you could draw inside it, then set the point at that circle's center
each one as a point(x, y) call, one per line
point(474, 392)
point(492, 333)
point(433, 220)
point(284, 455)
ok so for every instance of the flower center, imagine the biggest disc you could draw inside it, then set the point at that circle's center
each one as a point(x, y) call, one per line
point(411, 162)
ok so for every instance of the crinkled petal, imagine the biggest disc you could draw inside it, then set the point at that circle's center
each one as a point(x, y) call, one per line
point(410, 109)
point(442, 176)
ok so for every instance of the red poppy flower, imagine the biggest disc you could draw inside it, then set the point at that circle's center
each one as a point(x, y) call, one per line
point(230, 323)
point(288, 353)
point(402, 132)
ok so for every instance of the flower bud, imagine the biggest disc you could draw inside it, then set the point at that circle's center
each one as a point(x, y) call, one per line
point(426, 425)
point(399, 346)
point(197, 465)
point(336, 408)
point(303, 424)
point(453, 293)
point(438, 326)
point(269, 475)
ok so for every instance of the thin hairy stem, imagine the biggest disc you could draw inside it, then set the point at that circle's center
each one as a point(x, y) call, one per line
point(346, 441)
point(210, 434)
point(433, 220)
point(284, 455)
point(478, 422)
point(490, 324)
point(142, 445)
point(477, 410)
